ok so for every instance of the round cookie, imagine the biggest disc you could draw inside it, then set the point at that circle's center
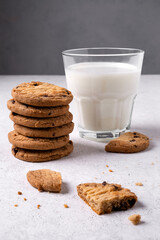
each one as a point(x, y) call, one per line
point(42, 156)
point(41, 94)
point(31, 111)
point(21, 141)
point(45, 132)
point(130, 142)
point(41, 122)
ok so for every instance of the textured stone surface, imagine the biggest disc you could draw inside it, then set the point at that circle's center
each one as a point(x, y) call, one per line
point(88, 160)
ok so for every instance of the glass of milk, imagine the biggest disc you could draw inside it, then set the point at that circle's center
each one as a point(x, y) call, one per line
point(104, 83)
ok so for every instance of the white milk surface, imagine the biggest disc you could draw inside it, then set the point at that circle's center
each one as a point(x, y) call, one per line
point(103, 93)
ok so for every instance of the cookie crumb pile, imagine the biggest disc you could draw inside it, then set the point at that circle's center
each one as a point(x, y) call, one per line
point(42, 122)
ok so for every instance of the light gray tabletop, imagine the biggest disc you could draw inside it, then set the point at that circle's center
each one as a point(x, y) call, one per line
point(87, 163)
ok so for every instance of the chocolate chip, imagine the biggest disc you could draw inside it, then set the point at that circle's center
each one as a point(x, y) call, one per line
point(13, 101)
point(64, 96)
point(104, 183)
point(124, 205)
point(52, 124)
point(136, 136)
point(17, 87)
point(49, 113)
point(35, 84)
point(53, 134)
point(132, 140)
point(134, 133)
point(70, 142)
point(14, 114)
point(67, 92)
point(116, 188)
point(131, 202)
point(135, 146)
point(15, 150)
point(45, 95)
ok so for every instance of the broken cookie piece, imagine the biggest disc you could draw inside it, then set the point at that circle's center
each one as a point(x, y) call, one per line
point(135, 219)
point(105, 197)
point(45, 180)
point(130, 142)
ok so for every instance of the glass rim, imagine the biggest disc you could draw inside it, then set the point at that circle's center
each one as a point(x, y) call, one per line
point(72, 52)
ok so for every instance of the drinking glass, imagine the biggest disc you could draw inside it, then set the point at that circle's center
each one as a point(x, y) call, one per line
point(104, 83)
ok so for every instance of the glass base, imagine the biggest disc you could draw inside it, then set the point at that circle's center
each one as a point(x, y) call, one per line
point(101, 136)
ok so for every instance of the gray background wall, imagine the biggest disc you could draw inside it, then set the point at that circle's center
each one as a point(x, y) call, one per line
point(33, 33)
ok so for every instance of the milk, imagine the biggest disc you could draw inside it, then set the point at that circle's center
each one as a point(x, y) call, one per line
point(104, 93)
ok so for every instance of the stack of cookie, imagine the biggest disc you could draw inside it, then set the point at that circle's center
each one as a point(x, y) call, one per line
point(42, 122)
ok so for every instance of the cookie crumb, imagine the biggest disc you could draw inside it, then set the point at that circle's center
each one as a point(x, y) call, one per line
point(66, 206)
point(107, 166)
point(152, 163)
point(15, 205)
point(19, 193)
point(25, 199)
point(135, 219)
point(103, 172)
point(38, 206)
point(95, 178)
point(139, 184)
point(110, 170)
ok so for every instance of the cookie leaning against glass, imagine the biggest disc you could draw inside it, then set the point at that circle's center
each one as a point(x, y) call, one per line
point(42, 121)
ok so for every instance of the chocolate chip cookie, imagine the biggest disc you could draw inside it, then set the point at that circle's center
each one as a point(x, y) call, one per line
point(45, 180)
point(105, 197)
point(45, 132)
point(37, 112)
point(41, 122)
point(130, 142)
point(21, 141)
point(42, 156)
point(41, 94)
